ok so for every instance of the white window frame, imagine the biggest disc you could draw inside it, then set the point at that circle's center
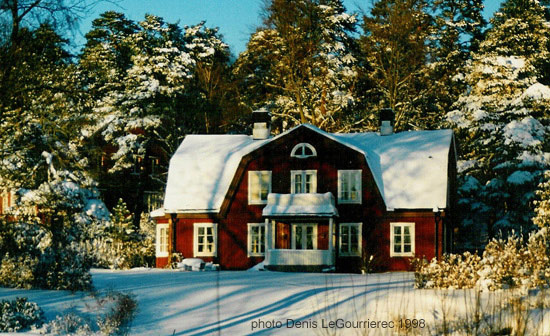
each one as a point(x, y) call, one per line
point(304, 235)
point(196, 252)
point(258, 174)
point(261, 239)
point(411, 226)
point(160, 252)
point(357, 179)
point(359, 252)
point(299, 151)
point(303, 173)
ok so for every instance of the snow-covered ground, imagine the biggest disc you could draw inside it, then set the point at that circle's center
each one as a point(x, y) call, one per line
point(267, 303)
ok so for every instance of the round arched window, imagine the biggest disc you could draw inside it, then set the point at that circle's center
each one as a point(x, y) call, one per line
point(303, 150)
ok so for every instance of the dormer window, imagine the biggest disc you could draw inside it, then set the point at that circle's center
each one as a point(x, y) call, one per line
point(303, 150)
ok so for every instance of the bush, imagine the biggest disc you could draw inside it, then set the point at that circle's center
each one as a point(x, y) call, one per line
point(31, 261)
point(20, 314)
point(121, 247)
point(116, 321)
point(68, 324)
point(119, 319)
point(506, 263)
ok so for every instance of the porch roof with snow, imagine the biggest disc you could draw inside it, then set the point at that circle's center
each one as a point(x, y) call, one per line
point(300, 205)
point(410, 168)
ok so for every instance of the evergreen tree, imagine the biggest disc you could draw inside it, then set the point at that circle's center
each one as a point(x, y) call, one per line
point(40, 159)
point(395, 45)
point(301, 63)
point(457, 32)
point(148, 96)
point(502, 123)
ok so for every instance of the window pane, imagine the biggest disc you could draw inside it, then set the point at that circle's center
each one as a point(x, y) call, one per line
point(406, 230)
point(262, 239)
point(407, 239)
point(309, 178)
point(344, 229)
point(201, 231)
point(397, 248)
point(254, 186)
point(397, 240)
point(356, 183)
point(407, 248)
point(298, 183)
point(266, 181)
point(309, 233)
point(396, 230)
point(354, 239)
point(299, 237)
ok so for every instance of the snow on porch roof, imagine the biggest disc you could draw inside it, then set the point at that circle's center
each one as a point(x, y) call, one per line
point(409, 168)
point(296, 205)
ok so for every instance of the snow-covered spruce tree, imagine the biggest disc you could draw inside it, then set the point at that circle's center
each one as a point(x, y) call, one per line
point(457, 31)
point(502, 124)
point(57, 203)
point(146, 100)
point(121, 246)
point(301, 64)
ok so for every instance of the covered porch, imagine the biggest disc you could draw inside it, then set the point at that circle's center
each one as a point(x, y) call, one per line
point(300, 231)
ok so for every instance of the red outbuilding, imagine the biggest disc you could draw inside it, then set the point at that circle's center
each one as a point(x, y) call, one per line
point(309, 200)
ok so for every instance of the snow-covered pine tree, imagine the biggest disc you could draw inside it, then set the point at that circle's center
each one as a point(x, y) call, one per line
point(144, 106)
point(457, 31)
point(301, 63)
point(502, 124)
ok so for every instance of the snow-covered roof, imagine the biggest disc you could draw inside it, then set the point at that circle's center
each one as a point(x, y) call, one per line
point(157, 213)
point(201, 171)
point(320, 205)
point(410, 168)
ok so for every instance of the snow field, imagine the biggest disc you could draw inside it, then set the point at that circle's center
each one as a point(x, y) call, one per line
point(272, 303)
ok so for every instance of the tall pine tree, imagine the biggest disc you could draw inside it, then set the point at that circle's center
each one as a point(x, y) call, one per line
point(301, 63)
point(502, 123)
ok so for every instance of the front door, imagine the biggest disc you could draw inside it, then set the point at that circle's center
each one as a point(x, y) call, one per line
point(282, 239)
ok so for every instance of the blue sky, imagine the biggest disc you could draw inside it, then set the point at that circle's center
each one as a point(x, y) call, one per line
point(237, 19)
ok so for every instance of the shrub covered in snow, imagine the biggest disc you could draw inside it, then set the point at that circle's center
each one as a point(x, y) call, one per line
point(30, 260)
point(41, 237)
point(20, 314)
point(505, 263)
point(116, 321)
point(122, 247)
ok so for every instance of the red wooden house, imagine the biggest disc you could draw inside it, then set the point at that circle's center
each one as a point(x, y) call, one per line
point(307, 199)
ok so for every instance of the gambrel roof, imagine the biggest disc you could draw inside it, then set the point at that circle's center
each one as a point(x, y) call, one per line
point(409, 168)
